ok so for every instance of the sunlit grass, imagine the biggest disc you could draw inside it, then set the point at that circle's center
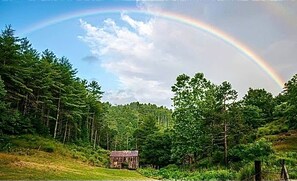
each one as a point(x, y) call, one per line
point(37, 158)
point(49, 166)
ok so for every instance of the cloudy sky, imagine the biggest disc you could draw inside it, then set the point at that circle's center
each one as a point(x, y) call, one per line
point(136, 49)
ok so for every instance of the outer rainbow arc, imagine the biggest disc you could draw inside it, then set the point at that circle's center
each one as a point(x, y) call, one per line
point(278, 9)
point(174, 17)
point(231, 41)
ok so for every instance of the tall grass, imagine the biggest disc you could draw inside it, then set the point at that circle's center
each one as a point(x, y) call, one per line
point(26, 144)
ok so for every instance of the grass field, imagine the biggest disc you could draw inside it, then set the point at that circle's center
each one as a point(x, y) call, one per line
point(36, 158)
point(39, 165)
point(30, 157)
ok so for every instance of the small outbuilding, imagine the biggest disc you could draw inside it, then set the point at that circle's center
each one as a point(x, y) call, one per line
point(124, 159)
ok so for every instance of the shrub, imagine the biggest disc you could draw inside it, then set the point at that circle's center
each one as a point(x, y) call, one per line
point(218, 174)
point(205, 163)
point(252, 151)
point(171, 167)
point(217, 157)
point(272, 128)
point(246, 172)
point(176, 174)
point(49, 148)
point(150, 172)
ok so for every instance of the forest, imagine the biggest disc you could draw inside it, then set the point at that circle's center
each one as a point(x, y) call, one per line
point(208, 129)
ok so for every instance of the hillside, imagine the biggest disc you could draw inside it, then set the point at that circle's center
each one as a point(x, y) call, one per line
point(36, 158)
point(285, 142)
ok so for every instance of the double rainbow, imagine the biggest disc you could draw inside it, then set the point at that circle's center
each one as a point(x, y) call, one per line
point(243, 49)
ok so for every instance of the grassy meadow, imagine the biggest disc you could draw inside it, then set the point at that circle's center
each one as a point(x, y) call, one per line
point(45, 159)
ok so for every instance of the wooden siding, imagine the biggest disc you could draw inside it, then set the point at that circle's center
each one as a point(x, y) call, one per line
point(124, 159)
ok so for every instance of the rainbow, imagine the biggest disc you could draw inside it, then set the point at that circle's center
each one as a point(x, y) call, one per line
point(243, 49)
point(282, 12)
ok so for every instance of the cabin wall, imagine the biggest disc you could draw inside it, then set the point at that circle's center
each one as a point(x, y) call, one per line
point(117, 162)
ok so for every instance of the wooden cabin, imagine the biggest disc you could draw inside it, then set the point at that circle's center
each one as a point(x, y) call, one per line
point(124, 159)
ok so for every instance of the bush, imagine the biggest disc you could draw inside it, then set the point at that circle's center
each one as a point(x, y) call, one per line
point(49, 148)
point(171, 167)
point(86, 153)
point(216, 174)
point(218, 157)
point(5, 144)
point(247, 171)
point(272, 128)
point(173, 174)
point(252, 151)
point(205, 163)
point(150, 172)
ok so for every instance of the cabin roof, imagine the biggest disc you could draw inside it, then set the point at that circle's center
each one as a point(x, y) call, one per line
point(124, 153)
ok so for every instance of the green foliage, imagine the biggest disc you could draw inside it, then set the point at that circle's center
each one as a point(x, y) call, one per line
point(41, 94)
point(14, 123)
point(86, 153)
point(164, 173)
point(247, 172)
point(213, 175)
point(194, 98)
point(290, 158)
point(263, 100)
point(174, 173)
point(290, 93)
point(251, 151)
point(24, 143)
point(252, 116)
point(130, 124)
point(204, 115)
point(28, 142)
point(150, 172)
point(157, 149)
point(272, 128)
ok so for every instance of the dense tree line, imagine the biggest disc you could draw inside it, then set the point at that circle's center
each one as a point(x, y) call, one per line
point(41, 94)
point(136, 126)
point(211, 123)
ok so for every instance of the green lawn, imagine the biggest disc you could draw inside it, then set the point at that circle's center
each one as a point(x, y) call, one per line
point(40, 165)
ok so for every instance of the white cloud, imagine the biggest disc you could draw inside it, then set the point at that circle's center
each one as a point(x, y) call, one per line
point(147, 56)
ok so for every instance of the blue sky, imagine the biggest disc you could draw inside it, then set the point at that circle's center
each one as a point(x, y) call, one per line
point(136, 57)
point(61, 38)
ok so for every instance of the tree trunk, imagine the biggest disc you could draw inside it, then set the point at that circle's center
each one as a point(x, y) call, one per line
point(42, 114)
point(88, 122)
point(25, 105)
point(57, 118)
point(69, 131)
point(225, 136)
point(65, 132)
point(92, 127)
point(99, 138)
point(95, 139)
point(107, 141)
point(47, 118)
point(225, 144)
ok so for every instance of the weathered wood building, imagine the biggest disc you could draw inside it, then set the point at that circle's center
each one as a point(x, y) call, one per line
point(124, 159)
